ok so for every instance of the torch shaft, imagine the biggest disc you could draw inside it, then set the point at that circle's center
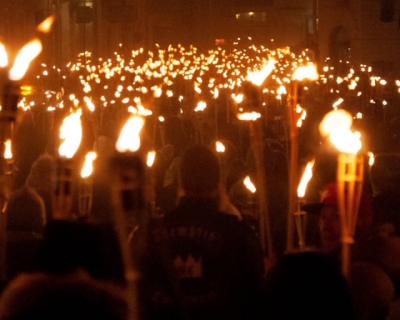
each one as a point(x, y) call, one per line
point(8, 115)
point(125, 184)
point(300, 227)
point(293, 164)
point(5, 189)
point(62, 201)
point(350, 183)
point(130, 270)
point(264, 217)
point(85, 197)
point(346, 259)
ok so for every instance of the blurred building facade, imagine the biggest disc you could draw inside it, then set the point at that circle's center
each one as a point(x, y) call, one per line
point(364, 30)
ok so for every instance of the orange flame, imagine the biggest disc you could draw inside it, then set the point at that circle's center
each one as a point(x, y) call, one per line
point(151, 158)
point(219, 147)
point(371, 159)
point(336, 125)
point(71, 134)
point(46, 25)
point(337, 103)
point(249, 116)
point(201, 106)
point(24, 58)
point(249, 184)
point(8, 155)
point(306, 72)
point(3, 56)
point(89, 103)
point(129, 138)
point(238, 98)
point(305, 179)
point(87, 169)
point(258, 77)
point(335, 120)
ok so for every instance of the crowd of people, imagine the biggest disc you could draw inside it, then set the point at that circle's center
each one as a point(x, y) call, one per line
point(199, 258)
point(192, 246)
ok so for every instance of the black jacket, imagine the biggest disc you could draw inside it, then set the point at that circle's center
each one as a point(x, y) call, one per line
point(200, 264)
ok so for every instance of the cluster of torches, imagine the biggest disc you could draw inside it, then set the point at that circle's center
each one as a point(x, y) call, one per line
point(11, 75)
point(249, 77)
point(137, 80)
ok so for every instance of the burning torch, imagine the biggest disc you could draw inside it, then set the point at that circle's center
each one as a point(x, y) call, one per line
point(150, 160)
point(129, 169)
point(10, 95)
point(303, 73)
point(253, 96)
point(337, 127)
point(86, 185)
point(251, 202)
point(128, 184)
point(71, 136)
point(10, 79)
point(10, 84)
point(300, 216)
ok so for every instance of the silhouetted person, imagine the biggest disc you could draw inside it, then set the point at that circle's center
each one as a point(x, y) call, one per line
point(25, 222)
point(201, 263)
point(71, 246)
point(373, 291)
point(307, 286)
point(26, 212)
point(92, 246)
point(41, 179)
point(40, 296)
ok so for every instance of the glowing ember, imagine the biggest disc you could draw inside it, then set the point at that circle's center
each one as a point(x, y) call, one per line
point(24, 58)
point(87, 169)
point(8, 155)
point(219, 147)
point(45, 26)
point(307, 72)
point(151, 158)
point(305, 179)
point(249, 184)
point(201, 106)
point(3, 56)
point(249, 116)
point(129, 138)
point(71, 135)
point(258, 77)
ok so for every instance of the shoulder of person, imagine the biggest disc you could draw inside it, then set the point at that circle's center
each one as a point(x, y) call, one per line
point(233, 223)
